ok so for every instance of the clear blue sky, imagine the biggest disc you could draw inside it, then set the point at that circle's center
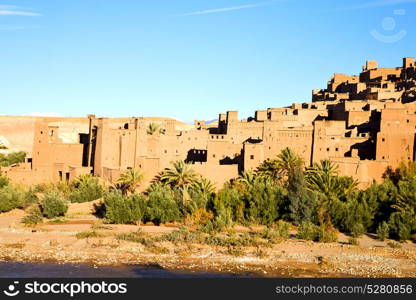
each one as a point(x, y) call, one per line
point(188, 59)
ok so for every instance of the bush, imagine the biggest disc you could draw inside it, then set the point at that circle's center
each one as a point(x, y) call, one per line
point(279, 232)
point(383, 231)
point(199, 217)
point(53, 205)
point(4, 181)
point(401, 224)
point(33, 217)
point(121, 209)
point(307, 231)
point(357, 230)
point(181, 236)
point(162, 206)
point(88, 234)
point(262, 202)
point(327, 234)
point(86, 190)
point(219, 223)
point(353, 241)
point(394, 245)
point(11, 198)
point(301, 202)
point(282, 229)
point(12, 158)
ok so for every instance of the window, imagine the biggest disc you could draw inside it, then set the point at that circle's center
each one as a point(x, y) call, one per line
point(327, 149)
point(383, 139)
point(166, 151)
point(251, 156)
point(213, 155)
point(336, 149)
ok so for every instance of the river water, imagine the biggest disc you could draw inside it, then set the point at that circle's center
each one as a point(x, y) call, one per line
point(51, 270)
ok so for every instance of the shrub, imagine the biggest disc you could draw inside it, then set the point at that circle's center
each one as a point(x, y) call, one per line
point(181, 236)
point(88, 234)
point(228, 205)
point(282, 229)
point(162, 206)
point(401, 224)
point(33, 217)
point(262, 202)
point(3, 181)
point(121, 209)
point(307, 231)
point(12, 158)
point(10, 198)
point(245, 240)
point(327, 234)
point(357, 230)
point(383, 231)
point(279, 232)
point(85, 190)
point(200, 217)
point(53, 205)
point(219, 223)
point(136, 237)
point(394, 245)
point(353, 241)
point(301, 202)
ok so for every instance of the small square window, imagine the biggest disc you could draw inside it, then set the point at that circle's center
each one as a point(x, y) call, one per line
point(251, 156)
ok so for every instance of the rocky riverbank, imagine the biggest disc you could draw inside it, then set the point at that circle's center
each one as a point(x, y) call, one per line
point(81, 238)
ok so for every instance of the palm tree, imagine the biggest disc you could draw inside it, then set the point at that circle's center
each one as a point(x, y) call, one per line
point(204, 185)
point(152, 128)
point(322, 177)
point(288, 160)
point(84, 180)
point(247, 177)
point(286, 163)
point(180, 175)
point(129, 181)
point(270, 169)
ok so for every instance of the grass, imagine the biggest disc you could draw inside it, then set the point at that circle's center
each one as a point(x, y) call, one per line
point(15, 245)
point(136, 237)
point(88, 234)
point(58, 221)
point(353, 241)
point(394, 245)
point(99, 226)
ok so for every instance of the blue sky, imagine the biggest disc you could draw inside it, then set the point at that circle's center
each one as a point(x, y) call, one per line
point(188, 59)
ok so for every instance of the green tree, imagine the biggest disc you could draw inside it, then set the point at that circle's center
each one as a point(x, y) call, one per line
point(161, 205)
point(54, 205)
point(121, 209)
point(301, 201)
point(85, 188)
point(12, 158)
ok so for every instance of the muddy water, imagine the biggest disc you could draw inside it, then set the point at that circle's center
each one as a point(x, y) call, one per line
point(51, 270)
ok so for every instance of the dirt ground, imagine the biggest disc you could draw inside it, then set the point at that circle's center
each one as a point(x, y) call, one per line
point(57, 242)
